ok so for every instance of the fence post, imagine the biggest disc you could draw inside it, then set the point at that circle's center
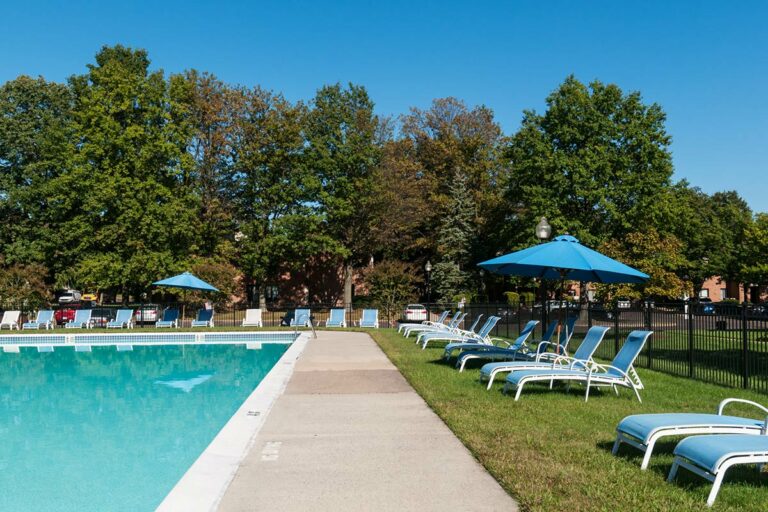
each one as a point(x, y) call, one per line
point(745, 346)
point(519, 320)
point(647, 326)
point(689, 307)
point(616, 328)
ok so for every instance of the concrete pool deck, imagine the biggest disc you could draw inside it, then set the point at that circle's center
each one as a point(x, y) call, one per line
point(349, 433)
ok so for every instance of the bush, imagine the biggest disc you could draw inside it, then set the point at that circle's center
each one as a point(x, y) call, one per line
point(392, 284)
point(527, 298)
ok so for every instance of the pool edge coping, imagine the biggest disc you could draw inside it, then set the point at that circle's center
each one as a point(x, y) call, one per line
point(203, 485)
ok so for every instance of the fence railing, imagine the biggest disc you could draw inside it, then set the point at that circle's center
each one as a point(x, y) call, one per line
point(725, 344)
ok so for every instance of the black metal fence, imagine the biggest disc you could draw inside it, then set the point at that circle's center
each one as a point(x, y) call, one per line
point(717, 343)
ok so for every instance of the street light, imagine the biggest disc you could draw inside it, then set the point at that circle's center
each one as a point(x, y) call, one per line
point(428, 270)
point(543, 230)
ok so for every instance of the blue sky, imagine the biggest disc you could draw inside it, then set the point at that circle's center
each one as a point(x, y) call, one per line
point(705, 62)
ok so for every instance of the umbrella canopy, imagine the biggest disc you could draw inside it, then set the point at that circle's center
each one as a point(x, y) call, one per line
point(186, 281)
point(566, 259)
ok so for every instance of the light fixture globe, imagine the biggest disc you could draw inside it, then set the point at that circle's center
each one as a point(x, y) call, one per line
point(543, 229)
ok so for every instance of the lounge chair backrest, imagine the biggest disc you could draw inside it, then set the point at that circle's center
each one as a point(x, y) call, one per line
point(44, 316)
point(124, 315)
point(487, 327)
point(301, 316)
point(252, 315)
point(82, 316)
point(477, 321)
point(524, 335)
point(170, 315)
point(550, 330)
point(337, 316)
point(10, 317)
point(457, 320)
point(442, 317)
point(630, 350)
point(591, 341)
point(370, 315)
point(204, 315)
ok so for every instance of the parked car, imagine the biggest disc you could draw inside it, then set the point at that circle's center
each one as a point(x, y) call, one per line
point(704, 306)
point(64, 315)
point(101, 316)
point(68, 296)
point(147, 314)
point(415, 313)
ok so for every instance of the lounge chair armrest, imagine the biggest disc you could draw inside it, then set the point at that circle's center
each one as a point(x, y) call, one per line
point(498, 341)
point(604, 367)
point(741, 401)
point(542, 347)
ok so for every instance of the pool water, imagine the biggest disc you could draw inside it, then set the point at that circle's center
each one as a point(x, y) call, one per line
point(108, 430)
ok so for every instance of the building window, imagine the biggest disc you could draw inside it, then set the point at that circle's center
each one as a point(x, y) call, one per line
point(270, 292)
point(723, 293)
point(704, 294)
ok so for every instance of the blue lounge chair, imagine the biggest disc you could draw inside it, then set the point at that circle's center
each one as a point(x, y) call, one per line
point(619, 373)
point(530, 351)
point(548, 360)
point(454, 334)
point(492, 343)
point(369, 318)
point(123, 318)
point(643, 430)
point(453, 325)
point(44, 319)
point(204, 318)
point(82, 320)
point(711, 456)
point(337, 318)
point(301, 318)
point(439, 321)
point(170, 318)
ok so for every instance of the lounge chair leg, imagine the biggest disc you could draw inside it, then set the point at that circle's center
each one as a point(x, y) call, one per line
point(519, 390)
point(637, 393)
point(505, 389)
point(586, 395)
point(673, 471)
point(715, 488)
point(615, 390)
point(647, 455)
point(491, 377)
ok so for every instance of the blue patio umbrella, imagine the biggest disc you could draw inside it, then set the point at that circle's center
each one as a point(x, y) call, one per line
point(186, 281)
point(564, 258)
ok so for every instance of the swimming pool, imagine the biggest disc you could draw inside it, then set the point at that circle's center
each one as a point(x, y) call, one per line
point(115, 430)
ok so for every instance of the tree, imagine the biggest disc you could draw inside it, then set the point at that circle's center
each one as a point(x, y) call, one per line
point(271, 190)
point(753, 265)
point(659, 256)
point(36, 146)
point(125, 213)
point(23, 285)
point(594, 164)
point(392, 284)
point(342, 151)
point(735, 217)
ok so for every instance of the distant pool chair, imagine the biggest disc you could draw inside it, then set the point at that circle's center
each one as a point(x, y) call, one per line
point(44, 319)
point(252, 318)
point(643, 431)
point(82, 320)
point(123, 319)
point(369, 318)
point(204, 318)
point(170, 318)
point(440, 321)
point(337, 318)
point(10, 320)
point(711, 456)
point(620, 373)
point(301, 318)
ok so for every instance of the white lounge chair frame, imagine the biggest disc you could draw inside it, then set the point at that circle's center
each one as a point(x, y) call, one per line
point(686, 430)
point(36, 323)
point(252, 318)
point(10, 320)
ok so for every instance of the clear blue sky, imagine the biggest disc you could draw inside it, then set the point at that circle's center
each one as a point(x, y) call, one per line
point(705, 62)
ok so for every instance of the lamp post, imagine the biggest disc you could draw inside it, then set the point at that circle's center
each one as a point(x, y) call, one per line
point(428, 270)
point(543, 232)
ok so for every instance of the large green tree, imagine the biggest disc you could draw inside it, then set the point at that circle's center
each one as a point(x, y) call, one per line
point(595, 164)
point(343, 151)
point(126, 216)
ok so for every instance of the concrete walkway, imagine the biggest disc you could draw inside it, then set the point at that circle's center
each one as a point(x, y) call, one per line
point(350, 433)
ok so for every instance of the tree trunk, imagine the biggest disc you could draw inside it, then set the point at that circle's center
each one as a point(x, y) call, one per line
point(347, 284)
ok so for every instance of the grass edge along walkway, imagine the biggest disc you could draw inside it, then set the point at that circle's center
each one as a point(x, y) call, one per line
point(551, 451)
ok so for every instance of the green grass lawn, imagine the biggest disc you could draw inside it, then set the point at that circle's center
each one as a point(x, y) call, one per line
point(551, 451)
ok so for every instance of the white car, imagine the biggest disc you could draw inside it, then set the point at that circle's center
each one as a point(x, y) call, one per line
point(69, 296)
point(415, 313)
